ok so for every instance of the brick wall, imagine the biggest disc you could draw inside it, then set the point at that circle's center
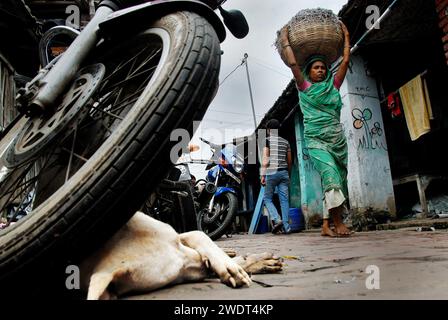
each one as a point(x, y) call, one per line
point(442, 11)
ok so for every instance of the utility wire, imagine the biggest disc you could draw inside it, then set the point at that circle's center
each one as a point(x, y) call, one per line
point(226, 121)
point(264, 62)
point(231, 73)
point(233, 124)
point(270, 67)
point(265, 66)
point(230, 112)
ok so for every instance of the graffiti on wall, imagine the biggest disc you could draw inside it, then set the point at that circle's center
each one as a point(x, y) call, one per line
point(372, 137)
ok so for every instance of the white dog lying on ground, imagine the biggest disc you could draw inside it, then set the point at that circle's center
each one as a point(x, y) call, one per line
point(146, 254)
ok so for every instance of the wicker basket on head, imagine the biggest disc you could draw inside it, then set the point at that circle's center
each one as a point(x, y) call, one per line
point(314, 31)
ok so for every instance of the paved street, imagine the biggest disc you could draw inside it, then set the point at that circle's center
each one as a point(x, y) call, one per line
point(413, 265)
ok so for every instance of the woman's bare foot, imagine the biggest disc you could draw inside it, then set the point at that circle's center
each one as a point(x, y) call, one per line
point(339, 227)
point(342, 230)
point(327, 231)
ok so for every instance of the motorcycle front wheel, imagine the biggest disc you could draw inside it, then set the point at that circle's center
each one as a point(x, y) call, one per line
point(63, 192)
point(216, 223)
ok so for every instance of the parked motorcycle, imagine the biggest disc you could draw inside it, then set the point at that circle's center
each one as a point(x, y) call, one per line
point(211, 203)
point(217, 195)
point(173, 200)
point(92, 137)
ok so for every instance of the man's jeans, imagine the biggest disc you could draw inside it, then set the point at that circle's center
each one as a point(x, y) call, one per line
point(279, 179)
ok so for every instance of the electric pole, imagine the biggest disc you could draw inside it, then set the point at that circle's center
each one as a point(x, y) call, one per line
point(250, 90)
point(253, 108)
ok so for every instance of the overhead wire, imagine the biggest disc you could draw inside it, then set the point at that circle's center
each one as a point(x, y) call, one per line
point(230, 112)
point(269, 67)
point(220, 84)
point(233, 124)
point(260, 63)
point(227, 121)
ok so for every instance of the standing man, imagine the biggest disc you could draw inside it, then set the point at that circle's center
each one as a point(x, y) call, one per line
point(275, 172)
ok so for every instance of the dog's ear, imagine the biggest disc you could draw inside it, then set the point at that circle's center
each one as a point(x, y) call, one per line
point(99, 282)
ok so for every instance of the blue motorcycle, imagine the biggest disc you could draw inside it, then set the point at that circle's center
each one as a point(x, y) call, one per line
point(217, 195)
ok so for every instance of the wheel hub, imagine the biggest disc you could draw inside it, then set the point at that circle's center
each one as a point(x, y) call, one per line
point(40, 132)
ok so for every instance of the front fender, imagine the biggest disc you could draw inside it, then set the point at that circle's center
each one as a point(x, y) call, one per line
point(222, 190)
point(136, 18)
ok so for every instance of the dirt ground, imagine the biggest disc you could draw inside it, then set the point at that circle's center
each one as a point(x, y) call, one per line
point(407, 264)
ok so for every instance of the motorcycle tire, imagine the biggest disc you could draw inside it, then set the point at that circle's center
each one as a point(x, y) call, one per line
point(222, 220)
point(128, 159)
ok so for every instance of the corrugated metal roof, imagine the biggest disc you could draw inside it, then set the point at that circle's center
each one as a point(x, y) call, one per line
point(409, 20)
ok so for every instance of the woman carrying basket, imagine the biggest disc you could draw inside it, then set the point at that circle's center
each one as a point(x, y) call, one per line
point(321, 104)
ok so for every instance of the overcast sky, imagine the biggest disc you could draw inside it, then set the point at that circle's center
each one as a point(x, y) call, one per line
point(231, 109)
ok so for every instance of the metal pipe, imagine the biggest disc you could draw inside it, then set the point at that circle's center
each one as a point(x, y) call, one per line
point(68, 65)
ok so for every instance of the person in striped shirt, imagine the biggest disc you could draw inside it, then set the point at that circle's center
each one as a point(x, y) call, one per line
point(275, 172)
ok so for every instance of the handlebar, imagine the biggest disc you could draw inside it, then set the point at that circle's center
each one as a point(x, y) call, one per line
point(211, 144)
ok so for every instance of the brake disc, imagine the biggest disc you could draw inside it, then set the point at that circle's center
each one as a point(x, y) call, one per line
point(40, 132)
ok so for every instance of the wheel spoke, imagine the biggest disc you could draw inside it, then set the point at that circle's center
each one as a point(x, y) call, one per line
point(13, 184)
point(118, 105)
point(22, 186)
point(16, 213)
point(119, 68)
point(75, 155)
point(152, 55)
point(122, 105)
point(131, 77)
point(107, 112)
point(67, 175)
point(16, 187)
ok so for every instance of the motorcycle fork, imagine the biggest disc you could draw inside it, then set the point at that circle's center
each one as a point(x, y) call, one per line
point(51, 87)
point(212, 201)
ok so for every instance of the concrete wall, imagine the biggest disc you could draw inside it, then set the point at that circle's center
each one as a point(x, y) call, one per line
point(310, 182)
point(369, 176)
point(295, 200)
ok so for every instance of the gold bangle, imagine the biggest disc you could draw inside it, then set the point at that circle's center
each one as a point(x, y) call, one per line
point(286, 45)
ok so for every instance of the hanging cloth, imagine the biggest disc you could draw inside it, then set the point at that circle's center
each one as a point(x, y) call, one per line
point(393, 104)
point(417, 107)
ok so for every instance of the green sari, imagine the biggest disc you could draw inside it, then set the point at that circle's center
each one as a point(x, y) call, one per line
point(321, 106)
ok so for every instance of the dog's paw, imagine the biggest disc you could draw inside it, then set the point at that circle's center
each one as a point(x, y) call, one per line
point(229, 272)
point(215, 259)
point(262, 263)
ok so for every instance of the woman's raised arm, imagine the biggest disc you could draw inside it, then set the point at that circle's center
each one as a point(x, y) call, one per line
point(288, 57)
point(342, 71)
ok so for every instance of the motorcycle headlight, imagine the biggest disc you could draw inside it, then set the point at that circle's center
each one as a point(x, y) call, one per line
point(238, 165)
